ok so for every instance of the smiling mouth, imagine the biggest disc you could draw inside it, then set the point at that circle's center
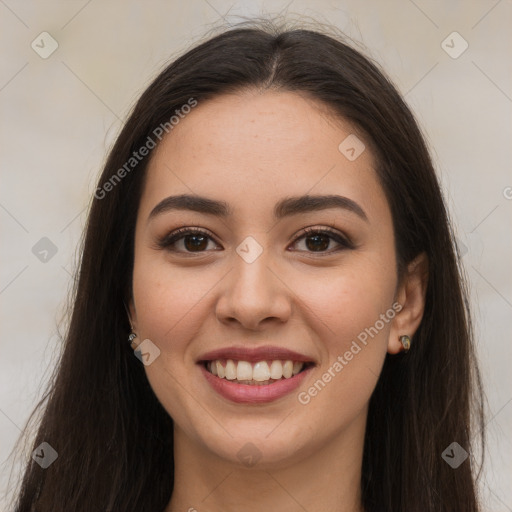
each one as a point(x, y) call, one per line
point(261, 373)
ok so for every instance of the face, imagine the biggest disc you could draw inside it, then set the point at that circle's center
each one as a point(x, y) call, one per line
point(250, 289)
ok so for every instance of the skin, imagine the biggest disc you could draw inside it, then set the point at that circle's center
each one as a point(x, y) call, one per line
point(251, 150)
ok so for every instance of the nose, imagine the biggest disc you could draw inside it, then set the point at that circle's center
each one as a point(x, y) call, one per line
point(254, 295)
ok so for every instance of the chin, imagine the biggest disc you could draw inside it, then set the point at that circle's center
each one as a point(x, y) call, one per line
point(260, 448)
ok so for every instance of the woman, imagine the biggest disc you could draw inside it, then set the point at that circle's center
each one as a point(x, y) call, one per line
point(269, 313)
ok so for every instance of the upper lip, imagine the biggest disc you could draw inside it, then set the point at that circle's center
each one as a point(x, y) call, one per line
point(254, 354)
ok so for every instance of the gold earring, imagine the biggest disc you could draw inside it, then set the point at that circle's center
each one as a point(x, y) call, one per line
point(406, 342)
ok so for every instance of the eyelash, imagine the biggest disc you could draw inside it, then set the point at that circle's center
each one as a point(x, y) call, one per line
point(167, 241)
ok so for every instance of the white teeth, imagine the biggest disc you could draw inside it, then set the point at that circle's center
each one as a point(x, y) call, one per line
point(276, 370)
point(287, 369)
point(243, 371)
point(230, 370)
point(248, 373)
point(220, 369)
point(260, 372)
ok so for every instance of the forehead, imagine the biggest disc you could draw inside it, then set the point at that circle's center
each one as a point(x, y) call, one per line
point(251, 149)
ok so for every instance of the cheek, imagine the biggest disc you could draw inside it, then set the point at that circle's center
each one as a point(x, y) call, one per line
point(348, 300)
point(349, 305)
point(169, 300)
point(171, 304)
point(353, 351)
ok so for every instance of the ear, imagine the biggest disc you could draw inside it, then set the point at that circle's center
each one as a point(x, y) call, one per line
point(411, 296)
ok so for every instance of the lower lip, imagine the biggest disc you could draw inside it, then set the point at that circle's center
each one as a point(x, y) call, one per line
point(247, 394)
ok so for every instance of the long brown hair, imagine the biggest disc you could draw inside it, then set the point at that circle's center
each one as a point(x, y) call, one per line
point(113, 437)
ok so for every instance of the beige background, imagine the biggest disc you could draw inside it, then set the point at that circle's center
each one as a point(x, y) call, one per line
point(60, 115)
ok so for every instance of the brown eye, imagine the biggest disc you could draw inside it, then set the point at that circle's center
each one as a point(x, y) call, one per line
point(192, 240)
point(318, 240)
point(195, 242)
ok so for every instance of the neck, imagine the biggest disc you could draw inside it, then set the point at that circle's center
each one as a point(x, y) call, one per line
point(327, 479)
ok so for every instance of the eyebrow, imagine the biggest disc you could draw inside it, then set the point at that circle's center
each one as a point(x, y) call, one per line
point(284, 208)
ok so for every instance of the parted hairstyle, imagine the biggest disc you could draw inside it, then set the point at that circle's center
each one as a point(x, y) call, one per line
point(113, 437)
